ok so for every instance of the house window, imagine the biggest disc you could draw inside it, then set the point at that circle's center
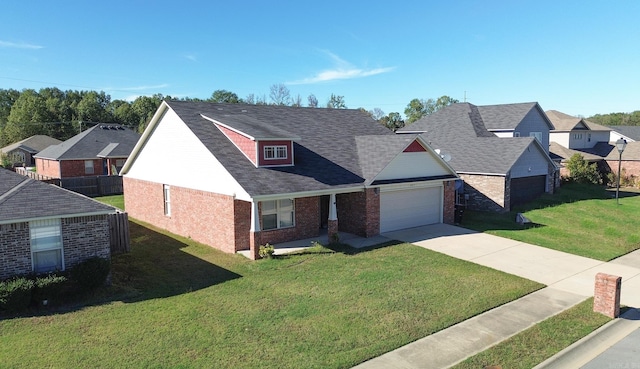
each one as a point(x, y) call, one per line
point(537, 135)
point(516, 134)
point(166, 194)
point(88, 167)
point(577, 136)
point(277, 214)
point(275, 152)
point(46, 245)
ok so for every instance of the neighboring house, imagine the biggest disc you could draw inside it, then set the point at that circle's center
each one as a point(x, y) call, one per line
point(498, 172)
point(517, 120)
point(237, 176)
point(21, 153)
point(628, 133)
point(45, 228)
point(576, 133)
point(629, 161)
point(100, 150)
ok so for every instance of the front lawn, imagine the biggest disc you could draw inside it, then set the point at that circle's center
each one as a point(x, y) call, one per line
point(579, 219)
point(175, 303)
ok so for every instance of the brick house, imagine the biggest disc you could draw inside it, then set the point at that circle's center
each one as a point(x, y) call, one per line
point(237, 176)
point(54, 234)
point(100, 150)
point(500, 151)
point(21, 153)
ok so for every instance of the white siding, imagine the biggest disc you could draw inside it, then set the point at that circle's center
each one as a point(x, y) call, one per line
point(413, 165)
point(173, 155)
point(503, 133)
point(561, 138)
point(531, 163)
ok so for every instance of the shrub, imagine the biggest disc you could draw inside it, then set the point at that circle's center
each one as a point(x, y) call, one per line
point(48, 287)
point(583, 172)
point(91, 273)
point(15, 294)
point(266, 251)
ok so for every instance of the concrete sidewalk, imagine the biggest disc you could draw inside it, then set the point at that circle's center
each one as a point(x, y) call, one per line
point(570, 280)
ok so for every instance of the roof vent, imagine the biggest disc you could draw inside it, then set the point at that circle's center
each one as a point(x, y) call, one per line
point(219, 108)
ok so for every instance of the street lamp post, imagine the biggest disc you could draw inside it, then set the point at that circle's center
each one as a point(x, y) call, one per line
point(620, 144)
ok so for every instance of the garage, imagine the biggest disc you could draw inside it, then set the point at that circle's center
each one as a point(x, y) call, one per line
point(408, 208)
point(527, 188)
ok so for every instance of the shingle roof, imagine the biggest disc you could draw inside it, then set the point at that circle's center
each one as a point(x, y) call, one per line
point(33, 144)
point(565, 122)
point(93, 141)
point(325, 156)
point(633, 132)
point(564, 153)
point(506, 116)
point(18, 200)
point(460, 130)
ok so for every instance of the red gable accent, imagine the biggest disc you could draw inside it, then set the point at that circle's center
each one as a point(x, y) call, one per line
point(415, 147)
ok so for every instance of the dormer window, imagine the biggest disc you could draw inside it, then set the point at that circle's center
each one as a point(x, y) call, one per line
point(275, 152)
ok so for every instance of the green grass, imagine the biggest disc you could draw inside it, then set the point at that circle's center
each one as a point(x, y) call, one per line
point(579, 219)
point(177, 304)
point(114, 200)
point(533, 346)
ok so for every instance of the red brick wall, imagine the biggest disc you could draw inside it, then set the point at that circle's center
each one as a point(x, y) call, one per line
point(307, 214)
point(630, 167)
point(449, 202)
point(246, 145)
point(85, 237)
point(205, 217)
point(49, 168)
point(15, 250)
point(82, 238)
point(75, 168)
point(359, 212)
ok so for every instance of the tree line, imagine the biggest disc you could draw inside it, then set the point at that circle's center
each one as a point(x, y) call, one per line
point(63, 114)
point(617, 119)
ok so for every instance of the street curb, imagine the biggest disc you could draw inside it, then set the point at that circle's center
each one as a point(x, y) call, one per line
point(598, 341)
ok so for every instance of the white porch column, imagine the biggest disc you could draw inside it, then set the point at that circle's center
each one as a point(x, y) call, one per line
point(333, 213)
point(255, 217)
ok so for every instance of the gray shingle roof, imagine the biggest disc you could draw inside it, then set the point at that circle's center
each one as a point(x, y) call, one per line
point(88, 144)
point(24, 198)
point(33, 144)
point(460, 131)
point(633, 132)
point(326, 154)
point(565, 154)
point(506, 116)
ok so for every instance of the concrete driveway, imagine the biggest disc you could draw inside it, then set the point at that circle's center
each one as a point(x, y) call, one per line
point(560, 270)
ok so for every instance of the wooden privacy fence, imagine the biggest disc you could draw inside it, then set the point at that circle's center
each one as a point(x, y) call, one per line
point(36, 176)
point(94, 186)
point(119, 233)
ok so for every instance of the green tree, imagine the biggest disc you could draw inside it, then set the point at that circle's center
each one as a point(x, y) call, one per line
point(94, 107)
point(393, 121)
point(224, 96)
point(123, 113)
point(336, 102)
point(7, 99)
point(27, 117)
point(145, 107)
point(582, 171)
point(418, 108)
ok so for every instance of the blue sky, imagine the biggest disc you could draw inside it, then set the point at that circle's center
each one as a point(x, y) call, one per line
point(578, 57)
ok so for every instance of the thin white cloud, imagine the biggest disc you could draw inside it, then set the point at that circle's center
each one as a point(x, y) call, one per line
point(191, 57)
point(139, 88)
point(342, 70)
point(21, 45)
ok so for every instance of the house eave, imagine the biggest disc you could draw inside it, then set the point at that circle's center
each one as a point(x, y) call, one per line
point(299, 194)
point(446, 177)
point(57, 216)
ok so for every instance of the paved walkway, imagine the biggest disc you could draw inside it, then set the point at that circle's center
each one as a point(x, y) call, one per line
point(570, 280)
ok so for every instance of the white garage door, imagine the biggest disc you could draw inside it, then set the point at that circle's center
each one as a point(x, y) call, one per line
point(410, 208)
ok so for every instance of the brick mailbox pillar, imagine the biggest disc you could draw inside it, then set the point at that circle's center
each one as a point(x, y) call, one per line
point(606, 298)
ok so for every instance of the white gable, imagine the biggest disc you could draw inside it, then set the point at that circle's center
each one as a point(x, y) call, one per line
point(413, 165)
point(173, 155)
